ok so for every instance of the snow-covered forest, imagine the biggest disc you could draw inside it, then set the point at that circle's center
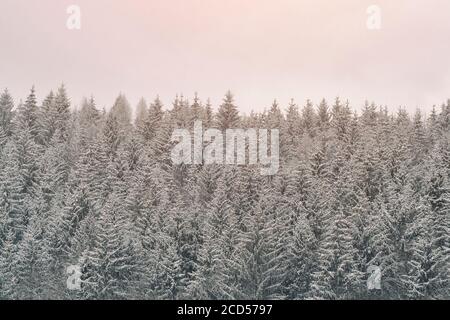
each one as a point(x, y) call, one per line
point(97, 188)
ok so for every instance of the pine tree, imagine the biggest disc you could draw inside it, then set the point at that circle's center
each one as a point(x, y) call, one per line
point(32, 262)
point(369, 114)
point(309, 119)
point(208, 115)
point(291, 132)
point(439, 199)
point(8, 278)
point(216, 273)
point(340, 120)
point(141, 114)
point(111, 136)
point(20, 174)
point(89, 120)
point(261, 270)
point(166, 274)
point(421, 280)
point(354, 192)
point(121, 111)
point(6, 113)
point(111, 269)
point(419, 142)
point(301, 260)
point(444, 117)
point(3, 138)
point(179, 115)
point(47, 119)
point(62, 114)
point(228, 115)
point(152, 123)
point(338, 275)
point(27, 117)
point(275, 117)
point(196, 110)
point(323, 115)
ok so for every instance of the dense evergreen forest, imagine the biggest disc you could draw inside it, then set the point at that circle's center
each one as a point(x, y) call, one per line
point(97, 188)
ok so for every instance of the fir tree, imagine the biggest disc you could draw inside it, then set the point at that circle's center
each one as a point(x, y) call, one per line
point(6, 113)
point(228, 115)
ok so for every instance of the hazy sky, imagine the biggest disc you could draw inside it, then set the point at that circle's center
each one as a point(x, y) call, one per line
point(259, 49)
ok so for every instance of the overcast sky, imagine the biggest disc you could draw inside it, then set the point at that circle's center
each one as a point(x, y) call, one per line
point(259, 49)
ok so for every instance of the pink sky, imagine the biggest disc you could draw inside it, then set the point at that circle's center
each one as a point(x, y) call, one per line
point(259, 49)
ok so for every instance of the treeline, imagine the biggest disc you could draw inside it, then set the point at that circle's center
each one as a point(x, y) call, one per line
point(98, 189)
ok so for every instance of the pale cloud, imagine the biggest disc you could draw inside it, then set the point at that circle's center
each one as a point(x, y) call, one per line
point(257, 48)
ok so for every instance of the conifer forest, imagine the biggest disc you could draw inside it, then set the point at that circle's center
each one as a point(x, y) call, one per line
point(358, 187)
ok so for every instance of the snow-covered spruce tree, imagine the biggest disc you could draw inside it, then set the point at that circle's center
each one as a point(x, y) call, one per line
point(439, 199)
point(12, 198)
point(34, 279)
point(340, 272)
point(20, 176)
point(62, 114)
point(261, 267)
point(121, 111)
point(275, 117)
point(6, 113)
point(444, 117)
point(111, 268)
point(141, 115)
point(87, 187)
point(228, 114)
point(301, 260)
point(208, 116)
point(47, 119)
point(88, 121)
point(166, 280)
point(422, 274)
point(340, 119)
point(338, 276)
point(309, 119)
point(196, 110)
point(3, 138)
point(179, 114)
point(323, 116)
point(290, 133)
point(8, 278)
point(152, 122)
point(216, 274)
point(27, 116)
point(207, 180)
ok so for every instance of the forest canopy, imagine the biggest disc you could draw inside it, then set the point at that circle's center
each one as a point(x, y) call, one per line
point(95, 188)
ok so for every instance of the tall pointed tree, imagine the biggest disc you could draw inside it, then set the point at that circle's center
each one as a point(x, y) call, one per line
point(228, 114)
